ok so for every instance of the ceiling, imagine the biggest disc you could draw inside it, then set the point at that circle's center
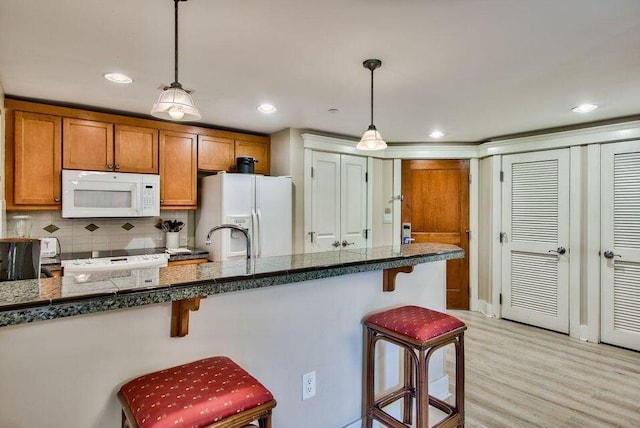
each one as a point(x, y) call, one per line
point(474, 69)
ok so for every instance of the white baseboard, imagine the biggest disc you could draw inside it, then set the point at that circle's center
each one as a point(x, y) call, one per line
point(584, 333)
point(439, 388)
point(485, 309)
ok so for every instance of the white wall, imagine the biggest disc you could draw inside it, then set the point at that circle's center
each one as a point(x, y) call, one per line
point(382, 176)
point(287, 158)
point(2, 145)
point(66, 372)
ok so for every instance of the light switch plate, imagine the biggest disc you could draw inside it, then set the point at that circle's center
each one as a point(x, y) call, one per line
point(48, 247)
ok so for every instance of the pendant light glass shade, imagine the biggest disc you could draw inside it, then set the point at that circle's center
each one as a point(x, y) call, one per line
point(371, 139)
point(175, 103)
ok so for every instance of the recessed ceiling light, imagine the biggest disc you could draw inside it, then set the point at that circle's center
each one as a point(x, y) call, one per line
point(118, 78)
point(266, 108)
point(436, 134)
point(584, 108)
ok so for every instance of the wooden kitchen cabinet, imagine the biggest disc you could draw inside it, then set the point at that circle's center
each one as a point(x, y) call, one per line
point(178, 170)
point(33, 161)
point(187, 262)
point(102, 146)
point(136, 149)
point(257, 150)
point(215, 153)
point(87, 145)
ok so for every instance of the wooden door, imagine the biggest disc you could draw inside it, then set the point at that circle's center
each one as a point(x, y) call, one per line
point(260, 151)
point(136, 149)
point(37, 163)
point(535, 247)
point(178, 170)
point(215, 153)
point(436, 203)
point(325, 203)
point(87, 145)
point(620, 240)
point(353, 201)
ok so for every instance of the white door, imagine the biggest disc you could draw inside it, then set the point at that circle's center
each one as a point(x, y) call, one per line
point(325, 202)
point(535, 225)
point(620, 240)
point(353, 204)
point(272, 218)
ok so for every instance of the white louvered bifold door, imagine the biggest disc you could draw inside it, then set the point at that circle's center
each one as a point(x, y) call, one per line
point(535, 275)
point(620, 240)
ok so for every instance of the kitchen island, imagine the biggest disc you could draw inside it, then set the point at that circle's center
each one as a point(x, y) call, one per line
point(279, 317)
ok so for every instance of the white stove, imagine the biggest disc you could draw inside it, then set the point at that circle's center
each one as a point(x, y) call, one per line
point(106, 264)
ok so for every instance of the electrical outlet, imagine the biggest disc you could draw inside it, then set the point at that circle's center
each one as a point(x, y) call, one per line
point(308, 385)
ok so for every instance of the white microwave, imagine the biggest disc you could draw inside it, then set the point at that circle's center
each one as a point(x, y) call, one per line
point(109, 194)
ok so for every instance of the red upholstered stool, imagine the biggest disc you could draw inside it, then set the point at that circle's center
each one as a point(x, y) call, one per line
point(420, 332)
point(214, 392)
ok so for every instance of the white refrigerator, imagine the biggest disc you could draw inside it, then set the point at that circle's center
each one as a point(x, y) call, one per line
point(258, 203)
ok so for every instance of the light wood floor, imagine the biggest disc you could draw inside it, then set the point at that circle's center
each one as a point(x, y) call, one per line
point(521, 376)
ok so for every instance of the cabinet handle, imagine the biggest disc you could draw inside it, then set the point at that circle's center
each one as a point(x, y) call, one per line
point(110, 165)
point(57, 199)
point(336, 244)
point(117, 166)
point(161, 201)
point(345, 243)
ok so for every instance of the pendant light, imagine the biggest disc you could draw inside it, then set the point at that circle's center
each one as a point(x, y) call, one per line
point(371, 140)
point(174, 102)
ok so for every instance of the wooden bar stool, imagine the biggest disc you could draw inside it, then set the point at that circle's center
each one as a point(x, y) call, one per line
point(420, 332)
point(214, 392)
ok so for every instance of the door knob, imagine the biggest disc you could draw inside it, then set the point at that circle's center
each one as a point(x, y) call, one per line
point(560, 251)
point(336, 244)
point(110, 165)
point(345, 243)
point(609, 254)
point(117, 166)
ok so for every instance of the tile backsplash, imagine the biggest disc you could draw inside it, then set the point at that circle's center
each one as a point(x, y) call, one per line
point(98, 234)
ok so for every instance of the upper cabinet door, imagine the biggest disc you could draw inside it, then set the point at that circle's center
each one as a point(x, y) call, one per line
point(257, 150)
point(178, 170)
point(215, 153)
point(88, 145)
point(136, 149)
point(37, 159)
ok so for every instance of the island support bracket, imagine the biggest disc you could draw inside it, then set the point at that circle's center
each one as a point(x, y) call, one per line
point(180, 310)
point(389, 277)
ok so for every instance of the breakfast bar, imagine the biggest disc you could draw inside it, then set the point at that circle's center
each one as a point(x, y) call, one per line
point(70, 342)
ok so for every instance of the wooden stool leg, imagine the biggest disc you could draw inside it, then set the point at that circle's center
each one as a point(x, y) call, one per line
point(460, 377)
point(369, 388)
point(265, 421)
point(409, 385)
point(422, 391)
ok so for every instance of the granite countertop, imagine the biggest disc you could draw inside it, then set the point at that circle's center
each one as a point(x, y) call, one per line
point(48, 298)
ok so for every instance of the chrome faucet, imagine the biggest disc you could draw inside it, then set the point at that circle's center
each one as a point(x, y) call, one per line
point(232, 227)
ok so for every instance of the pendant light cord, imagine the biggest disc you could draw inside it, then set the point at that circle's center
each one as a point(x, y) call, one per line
point(372, 97)
point(175, 50)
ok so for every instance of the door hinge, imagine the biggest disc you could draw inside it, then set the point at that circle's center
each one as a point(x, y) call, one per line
point(502, 237)
point(311, 172)
point(500, 298)
point(469, 178)
point(502, 176)
point(365, 232)
point(366, 177)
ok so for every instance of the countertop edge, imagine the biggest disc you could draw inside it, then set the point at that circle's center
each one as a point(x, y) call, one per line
point(102, 303)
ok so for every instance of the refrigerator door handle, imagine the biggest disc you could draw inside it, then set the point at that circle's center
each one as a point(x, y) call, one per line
point(259, 234)
point(255, 231)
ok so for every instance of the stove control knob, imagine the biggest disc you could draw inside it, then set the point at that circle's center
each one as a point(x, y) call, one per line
point(145, 257)
point(76, 262)
point(155, 257)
